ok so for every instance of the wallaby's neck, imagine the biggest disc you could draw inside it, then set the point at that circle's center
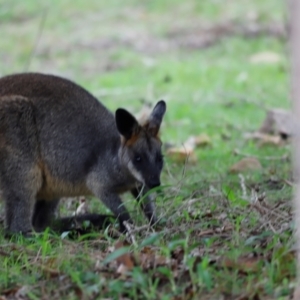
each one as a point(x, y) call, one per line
point(117, 168)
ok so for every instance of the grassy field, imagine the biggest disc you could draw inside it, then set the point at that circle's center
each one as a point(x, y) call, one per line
point(219, 65)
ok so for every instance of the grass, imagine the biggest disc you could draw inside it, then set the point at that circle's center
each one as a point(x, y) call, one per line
point(214, 242)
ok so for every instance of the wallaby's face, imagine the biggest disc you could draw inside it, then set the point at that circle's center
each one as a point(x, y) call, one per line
point(140, 150)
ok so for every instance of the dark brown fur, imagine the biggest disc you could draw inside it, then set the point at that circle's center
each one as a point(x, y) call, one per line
point(57, 140)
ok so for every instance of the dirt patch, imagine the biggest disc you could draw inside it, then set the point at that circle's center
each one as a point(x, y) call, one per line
point(205, 36)
point(192, 38)
point(177, 38)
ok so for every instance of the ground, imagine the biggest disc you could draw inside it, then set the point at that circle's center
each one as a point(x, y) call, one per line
point(220, 66)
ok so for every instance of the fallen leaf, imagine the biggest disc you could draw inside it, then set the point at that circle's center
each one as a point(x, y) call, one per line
point(182, 154)
point(265, 139)
point(149, 258)
point(122, 269)
point(271, 140)
point(198, 141)
point(246, 164)
point(125, 260)
point(266, 57)
point(117, 251)
point(186, 151)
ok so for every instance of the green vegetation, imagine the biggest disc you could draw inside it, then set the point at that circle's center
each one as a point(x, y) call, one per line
point(222, 235)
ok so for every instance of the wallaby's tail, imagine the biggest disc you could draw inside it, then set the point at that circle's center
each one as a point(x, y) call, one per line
point(83, 223)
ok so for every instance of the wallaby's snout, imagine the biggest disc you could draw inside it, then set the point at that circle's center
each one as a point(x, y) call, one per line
point(153, 182)
point(152, 178)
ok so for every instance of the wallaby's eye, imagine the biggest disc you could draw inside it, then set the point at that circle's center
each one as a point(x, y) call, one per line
point(137, 158)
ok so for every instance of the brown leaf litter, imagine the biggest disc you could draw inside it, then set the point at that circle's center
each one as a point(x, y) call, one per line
point(186, 152)
point(246, 164)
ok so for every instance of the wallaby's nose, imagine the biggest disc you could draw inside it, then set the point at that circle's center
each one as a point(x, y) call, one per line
point(154, 182)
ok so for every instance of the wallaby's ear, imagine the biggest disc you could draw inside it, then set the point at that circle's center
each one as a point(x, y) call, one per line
point(127, 125)
point(156, 117)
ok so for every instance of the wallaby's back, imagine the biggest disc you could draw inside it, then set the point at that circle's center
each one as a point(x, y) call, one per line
point(69, 120)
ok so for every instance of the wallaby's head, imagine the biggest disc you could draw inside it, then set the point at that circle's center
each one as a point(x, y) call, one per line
point(140, 150)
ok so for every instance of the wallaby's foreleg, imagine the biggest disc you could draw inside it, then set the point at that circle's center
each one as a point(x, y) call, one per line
point(19, 187)
point(147, 203)
point(115, 204)
point(44, 213)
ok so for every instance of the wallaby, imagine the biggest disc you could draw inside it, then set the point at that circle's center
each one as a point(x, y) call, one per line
point(57, 140)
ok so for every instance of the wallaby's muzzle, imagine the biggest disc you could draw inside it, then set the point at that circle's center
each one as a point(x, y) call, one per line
point(153, 182)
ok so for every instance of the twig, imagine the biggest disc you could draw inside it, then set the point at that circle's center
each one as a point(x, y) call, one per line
point(138, 229)
point(37, 255)
point(289, 183)
point(268, 211)
point(243, 186)
point(130, 233)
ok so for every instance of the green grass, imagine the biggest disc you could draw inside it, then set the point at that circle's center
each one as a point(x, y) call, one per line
point(128, 53)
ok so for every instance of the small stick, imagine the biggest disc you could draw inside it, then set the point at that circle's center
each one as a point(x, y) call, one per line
point(130, 234)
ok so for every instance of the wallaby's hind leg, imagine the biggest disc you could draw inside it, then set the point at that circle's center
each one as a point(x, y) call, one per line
point(19, 196)
point(20, 176)
point(17, 215)
point(44, 213)
point(147, 203)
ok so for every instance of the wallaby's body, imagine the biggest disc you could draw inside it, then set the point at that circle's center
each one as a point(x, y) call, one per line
point(57, 140)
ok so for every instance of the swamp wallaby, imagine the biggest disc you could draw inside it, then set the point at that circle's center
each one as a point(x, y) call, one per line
point(57, 140)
